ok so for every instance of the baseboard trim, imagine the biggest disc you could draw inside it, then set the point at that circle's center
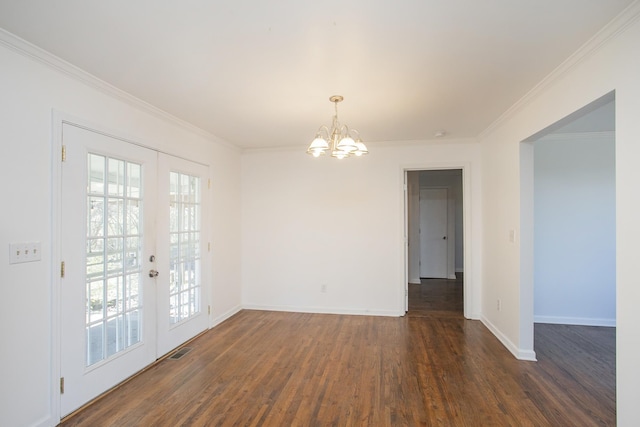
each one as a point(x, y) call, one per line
point(473, 316)
point(224, 316)
point(578, 321)
point(45, 422)
point(324, 310)
point(520, 354)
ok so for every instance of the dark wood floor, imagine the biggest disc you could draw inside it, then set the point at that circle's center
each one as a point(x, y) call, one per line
point(430, 368)
point(436, 298)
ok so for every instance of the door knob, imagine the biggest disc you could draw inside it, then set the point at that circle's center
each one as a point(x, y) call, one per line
point(153, 273)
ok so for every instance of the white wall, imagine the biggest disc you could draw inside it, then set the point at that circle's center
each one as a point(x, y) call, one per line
point(613, 63)
point(30, 91)
point(310, 222)
point(574, 229)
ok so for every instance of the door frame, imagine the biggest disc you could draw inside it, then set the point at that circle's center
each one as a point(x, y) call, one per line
point(471, 294)
point(58, 118)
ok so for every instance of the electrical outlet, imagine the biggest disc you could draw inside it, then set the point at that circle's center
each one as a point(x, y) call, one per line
point(323, 288)
point(499, 304)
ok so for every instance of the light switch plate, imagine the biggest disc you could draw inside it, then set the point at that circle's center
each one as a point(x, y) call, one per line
point(24, 252)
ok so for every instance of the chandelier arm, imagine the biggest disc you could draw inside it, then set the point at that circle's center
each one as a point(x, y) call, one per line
point(326, 131)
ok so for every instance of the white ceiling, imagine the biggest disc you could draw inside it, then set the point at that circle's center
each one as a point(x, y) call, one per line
point(258, 73)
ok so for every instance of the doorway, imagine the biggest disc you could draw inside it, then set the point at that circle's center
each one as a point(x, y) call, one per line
point(435, 240)
point(568, 220)
point(133, 260)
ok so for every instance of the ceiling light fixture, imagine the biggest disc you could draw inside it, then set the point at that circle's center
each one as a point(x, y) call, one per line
point(339, 140)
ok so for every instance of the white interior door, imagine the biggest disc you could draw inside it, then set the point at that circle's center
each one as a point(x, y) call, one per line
point(433, 233)
point(108, 301)
point(135, 262)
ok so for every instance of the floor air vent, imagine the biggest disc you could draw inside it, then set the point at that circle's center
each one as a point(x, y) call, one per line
point(178, 354)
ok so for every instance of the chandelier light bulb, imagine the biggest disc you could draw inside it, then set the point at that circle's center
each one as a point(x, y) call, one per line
point(361, 149)
point(347, 144)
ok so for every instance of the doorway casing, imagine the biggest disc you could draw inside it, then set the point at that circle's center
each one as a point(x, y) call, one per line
point(471, 294)
point(527, 265)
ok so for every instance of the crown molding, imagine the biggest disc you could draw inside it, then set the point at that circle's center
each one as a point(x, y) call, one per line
point(35, 53)
point(614, 28)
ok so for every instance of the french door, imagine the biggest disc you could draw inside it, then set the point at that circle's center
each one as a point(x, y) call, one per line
point(132, 241)
point(181, 251)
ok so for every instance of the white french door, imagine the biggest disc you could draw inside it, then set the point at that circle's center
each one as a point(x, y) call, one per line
point(132, 241)
point(181, 251)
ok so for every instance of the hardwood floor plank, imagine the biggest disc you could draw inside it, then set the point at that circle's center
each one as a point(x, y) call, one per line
point(429, 368)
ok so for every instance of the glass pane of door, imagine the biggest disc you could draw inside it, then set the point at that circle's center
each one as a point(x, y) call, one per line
point(114, 272)
point(184, 254)
point(183, 262)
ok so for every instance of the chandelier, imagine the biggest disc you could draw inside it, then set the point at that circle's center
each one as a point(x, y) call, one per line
point(340, 141)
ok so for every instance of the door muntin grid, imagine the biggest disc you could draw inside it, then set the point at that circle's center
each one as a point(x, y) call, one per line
point(184, 247)
point(113, 320)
